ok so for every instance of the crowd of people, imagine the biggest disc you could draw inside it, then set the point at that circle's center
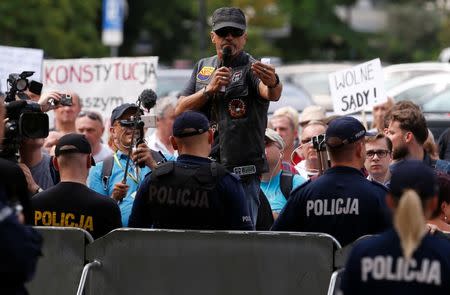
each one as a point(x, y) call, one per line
point(226, 165)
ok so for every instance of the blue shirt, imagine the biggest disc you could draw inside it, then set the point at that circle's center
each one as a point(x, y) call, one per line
point(227, 207)
point(272, 190)
point(376, 266)
point(95, 182)
point(341, 202)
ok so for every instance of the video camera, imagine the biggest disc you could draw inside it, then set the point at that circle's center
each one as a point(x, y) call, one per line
point(147, 99)
point(24, 117)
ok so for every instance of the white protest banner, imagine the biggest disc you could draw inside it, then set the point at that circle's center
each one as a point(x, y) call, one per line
point(102, 83)
point(19, 59)
point(357, 88)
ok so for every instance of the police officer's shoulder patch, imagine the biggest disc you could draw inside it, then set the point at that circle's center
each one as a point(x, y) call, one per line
point(205, 73)
point(163, 168)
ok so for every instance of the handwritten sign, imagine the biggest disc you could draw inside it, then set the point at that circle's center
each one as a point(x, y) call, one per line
point(357, 88)
point(18, 59)
point(102, 83)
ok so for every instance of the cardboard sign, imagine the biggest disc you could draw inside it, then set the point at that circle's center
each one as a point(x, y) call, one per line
point(18, 59)
point(357, 88)
point(102, 83)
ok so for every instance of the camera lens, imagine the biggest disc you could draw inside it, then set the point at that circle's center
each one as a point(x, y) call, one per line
point(22, 84)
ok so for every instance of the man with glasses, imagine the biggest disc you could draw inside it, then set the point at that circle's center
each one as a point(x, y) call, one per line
point(341, 202)
point(112, 184)
point(91, 125)
point(378, 158)
point(234, 90)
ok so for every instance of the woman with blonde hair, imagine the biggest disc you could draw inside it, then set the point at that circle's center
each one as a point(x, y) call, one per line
point(405, 259)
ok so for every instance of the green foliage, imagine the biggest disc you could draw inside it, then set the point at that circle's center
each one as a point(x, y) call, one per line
point(166, 25)
point(63, 28)
point(317, 33)
point(411, 34)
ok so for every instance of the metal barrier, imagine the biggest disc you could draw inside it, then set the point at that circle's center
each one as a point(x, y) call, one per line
point(139, 261)
point(335, 283)
point(59, 270)
point(341, 255)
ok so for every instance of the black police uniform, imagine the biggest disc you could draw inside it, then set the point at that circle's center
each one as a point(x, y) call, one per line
point(341, 202)
point(376, 266)
point(241, 114)
point(72, 204)
point(20, 248)
point(191, 193)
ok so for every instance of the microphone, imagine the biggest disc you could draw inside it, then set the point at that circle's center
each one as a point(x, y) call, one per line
point(148, 98)
point(226, 61)
point(226, 56)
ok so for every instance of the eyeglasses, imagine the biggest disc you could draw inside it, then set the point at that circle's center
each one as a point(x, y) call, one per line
point(380, 153)
point(306, 141)
point(91, 115)
point(227, 30)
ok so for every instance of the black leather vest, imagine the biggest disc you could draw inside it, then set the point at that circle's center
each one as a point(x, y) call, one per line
point(240, 113)
point(185, 197)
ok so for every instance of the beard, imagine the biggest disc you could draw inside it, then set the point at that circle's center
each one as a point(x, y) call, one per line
point(400, 153)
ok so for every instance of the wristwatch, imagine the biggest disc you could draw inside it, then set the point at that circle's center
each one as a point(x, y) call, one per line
point(207, 95)
point(38, 190)
point(276, 83)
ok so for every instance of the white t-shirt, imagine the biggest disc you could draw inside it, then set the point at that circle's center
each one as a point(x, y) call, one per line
point(104, 153)
point(155, 144)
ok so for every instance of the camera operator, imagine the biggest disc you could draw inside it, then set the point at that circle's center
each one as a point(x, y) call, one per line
point(341, 202)
point(21, 245)
point(36, 164)
point(310, 165)
point(113, 185)
point(65, 115)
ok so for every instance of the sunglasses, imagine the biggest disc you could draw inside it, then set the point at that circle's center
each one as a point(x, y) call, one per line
point(225, 31)
point(379, 153)
point(91, 115)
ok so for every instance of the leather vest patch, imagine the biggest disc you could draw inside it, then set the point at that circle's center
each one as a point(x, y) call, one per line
point(237, 108)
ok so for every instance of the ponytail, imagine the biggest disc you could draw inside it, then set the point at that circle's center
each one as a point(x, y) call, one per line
point(409, 221)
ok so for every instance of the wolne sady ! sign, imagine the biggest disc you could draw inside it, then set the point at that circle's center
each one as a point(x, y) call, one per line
point(357, 88)
point(101, 83)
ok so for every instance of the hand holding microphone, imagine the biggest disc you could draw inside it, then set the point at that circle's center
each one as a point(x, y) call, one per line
point(226, 61)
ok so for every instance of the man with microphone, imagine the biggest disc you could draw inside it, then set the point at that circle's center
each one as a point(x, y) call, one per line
point(234, 91)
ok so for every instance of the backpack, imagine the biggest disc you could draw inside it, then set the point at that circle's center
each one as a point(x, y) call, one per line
point(108, 164)
point(286, 183)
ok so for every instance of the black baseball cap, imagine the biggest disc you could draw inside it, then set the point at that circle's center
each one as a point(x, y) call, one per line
point(118, 111)
point(412, 174)
point(190, 123)
point(228, 17)
point(345, 130)
point(73, 143)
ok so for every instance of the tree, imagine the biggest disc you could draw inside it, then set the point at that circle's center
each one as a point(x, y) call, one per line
point(317, 33)
point(166, 26)
point(61, 28)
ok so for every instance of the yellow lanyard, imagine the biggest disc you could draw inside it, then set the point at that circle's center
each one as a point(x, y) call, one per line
point(134, 178)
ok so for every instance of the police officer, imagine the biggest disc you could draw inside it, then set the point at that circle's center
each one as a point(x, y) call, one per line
point(193, 192)
point(404, 259)
point(20, 245)
point(341, 202)
point(234, 90)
